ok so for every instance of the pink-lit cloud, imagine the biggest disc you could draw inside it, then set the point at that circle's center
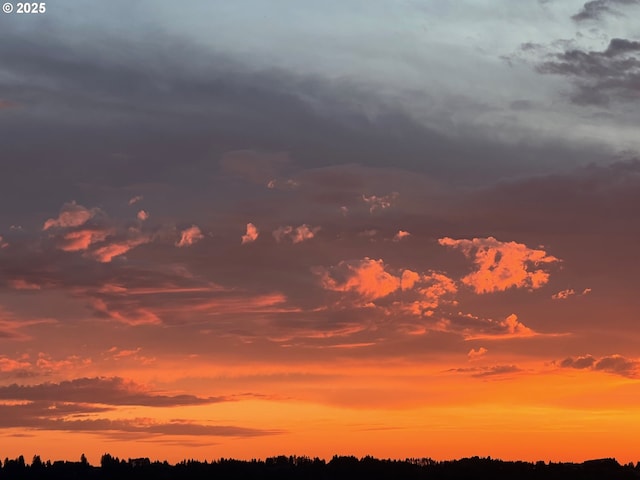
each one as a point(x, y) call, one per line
point(80, 240)
point(563, 294)
point(126, 313)
point(295, 234)
point(400, 235)
point(71, 215)
point(107, 253)
point(142, 215)
point(251, 235)
point(380, 203)
point(501, 265)
point(22, 284)
point(189, 236)
point(135, 199)
point(3, 244)
point(12, 326)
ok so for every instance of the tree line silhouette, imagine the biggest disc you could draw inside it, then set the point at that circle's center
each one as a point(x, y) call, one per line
point(301, 467)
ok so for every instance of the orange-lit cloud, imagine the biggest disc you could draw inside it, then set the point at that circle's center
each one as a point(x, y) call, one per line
point(297, 234)
point(400, 235)
point(189, 236)
point(501, 265)
point(10, 365)
point(48, 365)
point(71, 215)
point(510, 327)
point(251, 235)
point(367, 278)
point(142, 215)
point(475, 354)
point(429, 290)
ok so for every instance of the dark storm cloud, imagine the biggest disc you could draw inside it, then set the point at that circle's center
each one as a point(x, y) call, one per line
point(595, 9)
point(99, 390)
point(115, 112)
point(599, 77)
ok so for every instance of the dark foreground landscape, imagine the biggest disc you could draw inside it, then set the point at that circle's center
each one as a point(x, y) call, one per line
point(292, 467)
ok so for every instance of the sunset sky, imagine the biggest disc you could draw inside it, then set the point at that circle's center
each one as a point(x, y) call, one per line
point(247, 228)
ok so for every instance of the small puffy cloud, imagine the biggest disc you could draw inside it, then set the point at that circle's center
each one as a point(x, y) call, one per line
point(71, 215)
point(344, 210)
point(400, 235)
point(189, 236)
point(586, 291)
point(563, 294)
point(297, 234)
point(475, 354)
point(472, 327)
point(367, 278)
point(135, 199)
point(380, 203)
point(251, 235)
point(516, 328)
point(3, 244)
point(501, 265)
point(617, 364)
point(585, 361)
point(142, 215)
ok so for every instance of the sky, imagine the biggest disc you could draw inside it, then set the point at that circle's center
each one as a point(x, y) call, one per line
point(251, 228)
